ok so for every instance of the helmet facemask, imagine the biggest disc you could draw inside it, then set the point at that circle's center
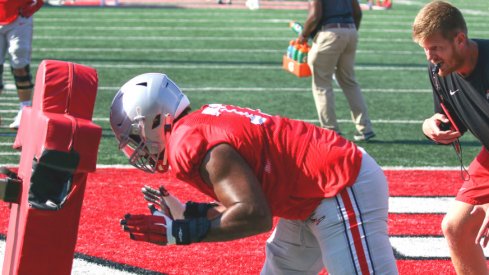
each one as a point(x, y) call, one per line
point(143, 153)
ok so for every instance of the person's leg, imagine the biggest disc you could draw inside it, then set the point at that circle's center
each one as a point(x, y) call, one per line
point(322, 59)
point(3, 52)
point(345, 75)
point(460, 230)
point(351, 228)
point(460, 227)
point(20, 48)
point(292, 249)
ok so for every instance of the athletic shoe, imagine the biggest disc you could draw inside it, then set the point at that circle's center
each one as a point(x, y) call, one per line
point(15, 125)
point(363, 137)
point(252, 4)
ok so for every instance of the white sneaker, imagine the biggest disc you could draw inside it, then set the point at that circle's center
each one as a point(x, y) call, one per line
point(15, 125)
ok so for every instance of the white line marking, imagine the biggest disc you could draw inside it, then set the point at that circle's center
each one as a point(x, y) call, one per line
point(419, 204)
point(424, 247)
point(10, 153)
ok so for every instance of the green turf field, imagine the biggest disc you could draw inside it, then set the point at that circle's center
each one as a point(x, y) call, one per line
point(234, 56)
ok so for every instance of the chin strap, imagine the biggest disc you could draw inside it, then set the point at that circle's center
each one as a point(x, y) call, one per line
point(163, 166)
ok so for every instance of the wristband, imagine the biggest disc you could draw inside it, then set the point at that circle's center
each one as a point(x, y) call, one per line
point(190, 230)
point(197, 209)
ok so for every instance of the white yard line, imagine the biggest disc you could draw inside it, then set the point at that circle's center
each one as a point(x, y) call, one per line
point(423, 247)
point(433, 205)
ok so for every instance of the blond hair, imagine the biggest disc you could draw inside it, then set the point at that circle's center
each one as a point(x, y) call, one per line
point(438, 17)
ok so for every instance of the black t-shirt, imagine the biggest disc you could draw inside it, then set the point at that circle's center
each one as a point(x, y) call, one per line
point(467, 98)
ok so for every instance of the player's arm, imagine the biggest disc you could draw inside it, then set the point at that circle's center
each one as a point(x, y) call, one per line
point(171, 222)
point(161, 200)
point(238, 190)
point(243, 211)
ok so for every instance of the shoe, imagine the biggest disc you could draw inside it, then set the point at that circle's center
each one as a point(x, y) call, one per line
point(252, 4)
point(220, 2)
point(363, 137)
point(15, 125)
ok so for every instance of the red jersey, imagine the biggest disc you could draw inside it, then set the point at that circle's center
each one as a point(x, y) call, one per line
point(296, 163)
point(9, 10)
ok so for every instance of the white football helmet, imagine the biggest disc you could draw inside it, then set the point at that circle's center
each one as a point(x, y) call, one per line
point(142, 112)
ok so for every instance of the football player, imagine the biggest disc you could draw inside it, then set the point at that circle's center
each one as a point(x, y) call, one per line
point(330, 195)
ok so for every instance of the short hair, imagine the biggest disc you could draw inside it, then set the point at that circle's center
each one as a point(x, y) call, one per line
point(438, 17)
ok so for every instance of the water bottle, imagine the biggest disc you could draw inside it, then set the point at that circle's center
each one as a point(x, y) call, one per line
point(290, 49)
point(295, 52)
point(296, 26)
point(302, 55)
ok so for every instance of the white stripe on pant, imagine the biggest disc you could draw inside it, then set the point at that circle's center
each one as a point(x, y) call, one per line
point(346, 234)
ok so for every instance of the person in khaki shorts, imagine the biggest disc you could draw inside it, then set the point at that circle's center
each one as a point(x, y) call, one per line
point(333, 25)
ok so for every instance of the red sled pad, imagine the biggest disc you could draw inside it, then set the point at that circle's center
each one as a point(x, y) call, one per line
point(65, 88)
point(59, 144)
point(61, 112)
point(58, 132)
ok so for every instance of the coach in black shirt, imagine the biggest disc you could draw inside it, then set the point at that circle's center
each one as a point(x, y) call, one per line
point(459, 75)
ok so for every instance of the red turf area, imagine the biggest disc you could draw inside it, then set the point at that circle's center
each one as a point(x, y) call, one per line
point(111, 193)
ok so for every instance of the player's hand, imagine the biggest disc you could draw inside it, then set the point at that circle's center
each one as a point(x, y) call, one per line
point(154, 228)
point(30, 9)
point(484, 229)
point(155, 197)
point(432, 129)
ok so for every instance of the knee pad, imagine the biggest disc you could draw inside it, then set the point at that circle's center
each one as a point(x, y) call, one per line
point(23, 81)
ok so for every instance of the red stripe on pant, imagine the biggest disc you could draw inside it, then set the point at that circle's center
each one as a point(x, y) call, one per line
point(355, 231)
